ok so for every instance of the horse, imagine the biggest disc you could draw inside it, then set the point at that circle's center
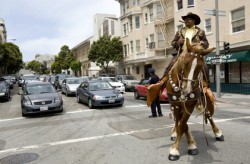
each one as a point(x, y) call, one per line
point(185, 85)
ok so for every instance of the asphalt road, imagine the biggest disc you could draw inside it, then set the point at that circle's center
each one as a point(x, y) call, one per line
point(117, 135)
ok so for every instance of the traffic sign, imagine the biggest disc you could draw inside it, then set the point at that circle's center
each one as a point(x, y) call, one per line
point(213, 13)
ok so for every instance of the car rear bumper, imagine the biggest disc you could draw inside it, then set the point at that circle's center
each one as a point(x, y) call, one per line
point(119, 101)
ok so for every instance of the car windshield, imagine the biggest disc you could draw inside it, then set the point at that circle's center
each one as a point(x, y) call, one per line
point(99, 86)
point(74, 81)
point(39, 89)
point(129, 78)
point(29, 78)
point(111, 79)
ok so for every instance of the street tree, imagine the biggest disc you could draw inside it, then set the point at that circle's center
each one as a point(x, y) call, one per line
point(65, 57)
point(106, 50)
point(56, 67)
point(10, 58)
point(75, 66)
point(35, 66)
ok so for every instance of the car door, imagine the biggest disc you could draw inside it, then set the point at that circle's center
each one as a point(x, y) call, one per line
point(85, 92)
point(144, 88)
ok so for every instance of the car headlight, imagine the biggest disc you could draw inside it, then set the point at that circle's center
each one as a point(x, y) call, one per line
point(58, 99)
point(27, 102)
point(96, 97)
point(120, 95)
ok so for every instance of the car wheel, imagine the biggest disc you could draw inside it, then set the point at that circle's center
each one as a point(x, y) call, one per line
point(90, 104)
point(78, 99)
point(23, 114)
point(136, 95)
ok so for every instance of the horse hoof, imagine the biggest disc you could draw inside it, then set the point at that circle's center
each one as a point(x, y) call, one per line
point(221, 138)
point(193, 151)
point(173, 157)
point(173, 138)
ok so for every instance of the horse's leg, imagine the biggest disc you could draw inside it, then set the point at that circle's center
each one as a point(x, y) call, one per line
point(192, 148)
point(174, 134)
point(209, 113)
point(180, 129)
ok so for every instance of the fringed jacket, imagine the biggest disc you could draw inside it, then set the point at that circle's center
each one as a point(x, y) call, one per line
point(198, 36)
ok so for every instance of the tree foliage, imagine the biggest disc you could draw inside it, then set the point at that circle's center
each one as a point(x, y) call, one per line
point(106, 50)
point(10, 58)
point(35, 66)
point(65, 57)
point(56, 67)
point(75, 65)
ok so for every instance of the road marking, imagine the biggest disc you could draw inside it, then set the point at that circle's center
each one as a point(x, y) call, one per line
point(11, 119)
point(101, 137)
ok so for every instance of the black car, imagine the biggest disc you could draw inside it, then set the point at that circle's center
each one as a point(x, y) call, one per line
point(40, 97)
point(4, 91)
point(98, 93)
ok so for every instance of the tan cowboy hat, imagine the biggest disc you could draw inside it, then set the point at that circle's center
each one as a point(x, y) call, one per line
point(193, 16)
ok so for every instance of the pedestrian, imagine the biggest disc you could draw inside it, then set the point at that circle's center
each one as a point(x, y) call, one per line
point(156, 102)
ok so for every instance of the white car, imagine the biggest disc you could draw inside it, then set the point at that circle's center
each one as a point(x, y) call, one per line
point(114, 82)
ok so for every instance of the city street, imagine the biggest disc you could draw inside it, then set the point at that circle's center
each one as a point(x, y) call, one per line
point(117, 135)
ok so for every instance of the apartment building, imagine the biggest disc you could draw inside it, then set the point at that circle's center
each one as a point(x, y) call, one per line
point(3, 32)
point(147, 29)
point(103, 24)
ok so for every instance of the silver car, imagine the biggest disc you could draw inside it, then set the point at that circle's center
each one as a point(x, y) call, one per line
point(40, 97)
point(69, 85)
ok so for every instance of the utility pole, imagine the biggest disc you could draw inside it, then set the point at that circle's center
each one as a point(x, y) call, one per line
point(218, 89)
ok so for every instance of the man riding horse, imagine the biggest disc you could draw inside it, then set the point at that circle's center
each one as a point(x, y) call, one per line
point(184, 80)
point(195, 35)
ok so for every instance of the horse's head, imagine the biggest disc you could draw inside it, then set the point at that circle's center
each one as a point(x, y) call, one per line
point(192, 65)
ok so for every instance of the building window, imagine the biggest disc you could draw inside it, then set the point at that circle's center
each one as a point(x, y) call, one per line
point(238, 20)
point(146, 17)
point(190, 3)
point(128, 49)
point(131, 47)
point(179, 4)
point(245, 78)
point(151, 36)
point(131, 23)
point(137, 22)
point(159, 11)
point(208, 25)
point(160, 40)
point(234, 72)
point(138, 46)
point(146, 40)
point(137, 70)
point(151, 14)
point(112, 27)
point(106, 27)
point(128, 70)
point(125, 50)
point(125, 29)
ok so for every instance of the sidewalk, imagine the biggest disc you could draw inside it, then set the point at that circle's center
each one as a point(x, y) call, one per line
point(237, 99)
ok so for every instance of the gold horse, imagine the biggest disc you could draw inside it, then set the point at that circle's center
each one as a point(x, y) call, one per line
point(186, 90)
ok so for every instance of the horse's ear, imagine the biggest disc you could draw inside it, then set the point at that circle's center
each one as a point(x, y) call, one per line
point(189, 46)
point(207, 51)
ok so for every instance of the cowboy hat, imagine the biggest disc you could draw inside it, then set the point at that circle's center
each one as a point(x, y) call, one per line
point(193, 16)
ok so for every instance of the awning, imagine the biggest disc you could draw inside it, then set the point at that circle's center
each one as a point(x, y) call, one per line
point(231, 57)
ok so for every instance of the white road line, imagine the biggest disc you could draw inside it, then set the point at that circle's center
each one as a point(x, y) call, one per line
point(11, 119)
point(99, 137)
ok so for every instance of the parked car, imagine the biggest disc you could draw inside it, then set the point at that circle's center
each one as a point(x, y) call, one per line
point(40, 97)
point(98, 93)
point(8, 79)
point(69, 85)
point(52, 79)
point(114, 82)
point(129, 81)
point(27, 77)
point(59, 78)
point(4, 91)
point(141, 90)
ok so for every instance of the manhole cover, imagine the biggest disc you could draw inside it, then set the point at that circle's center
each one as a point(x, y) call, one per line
point(19, 158)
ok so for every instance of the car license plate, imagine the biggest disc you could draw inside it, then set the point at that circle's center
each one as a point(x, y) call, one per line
point(43, 108)
point(112, 101)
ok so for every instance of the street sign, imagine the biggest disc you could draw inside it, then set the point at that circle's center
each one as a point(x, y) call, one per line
point(216, 60)
point(213, 13)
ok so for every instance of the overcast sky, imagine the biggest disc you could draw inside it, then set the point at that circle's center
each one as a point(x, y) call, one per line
point(43, 26)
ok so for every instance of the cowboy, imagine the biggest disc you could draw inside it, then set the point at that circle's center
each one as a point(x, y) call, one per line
point(190, 31)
